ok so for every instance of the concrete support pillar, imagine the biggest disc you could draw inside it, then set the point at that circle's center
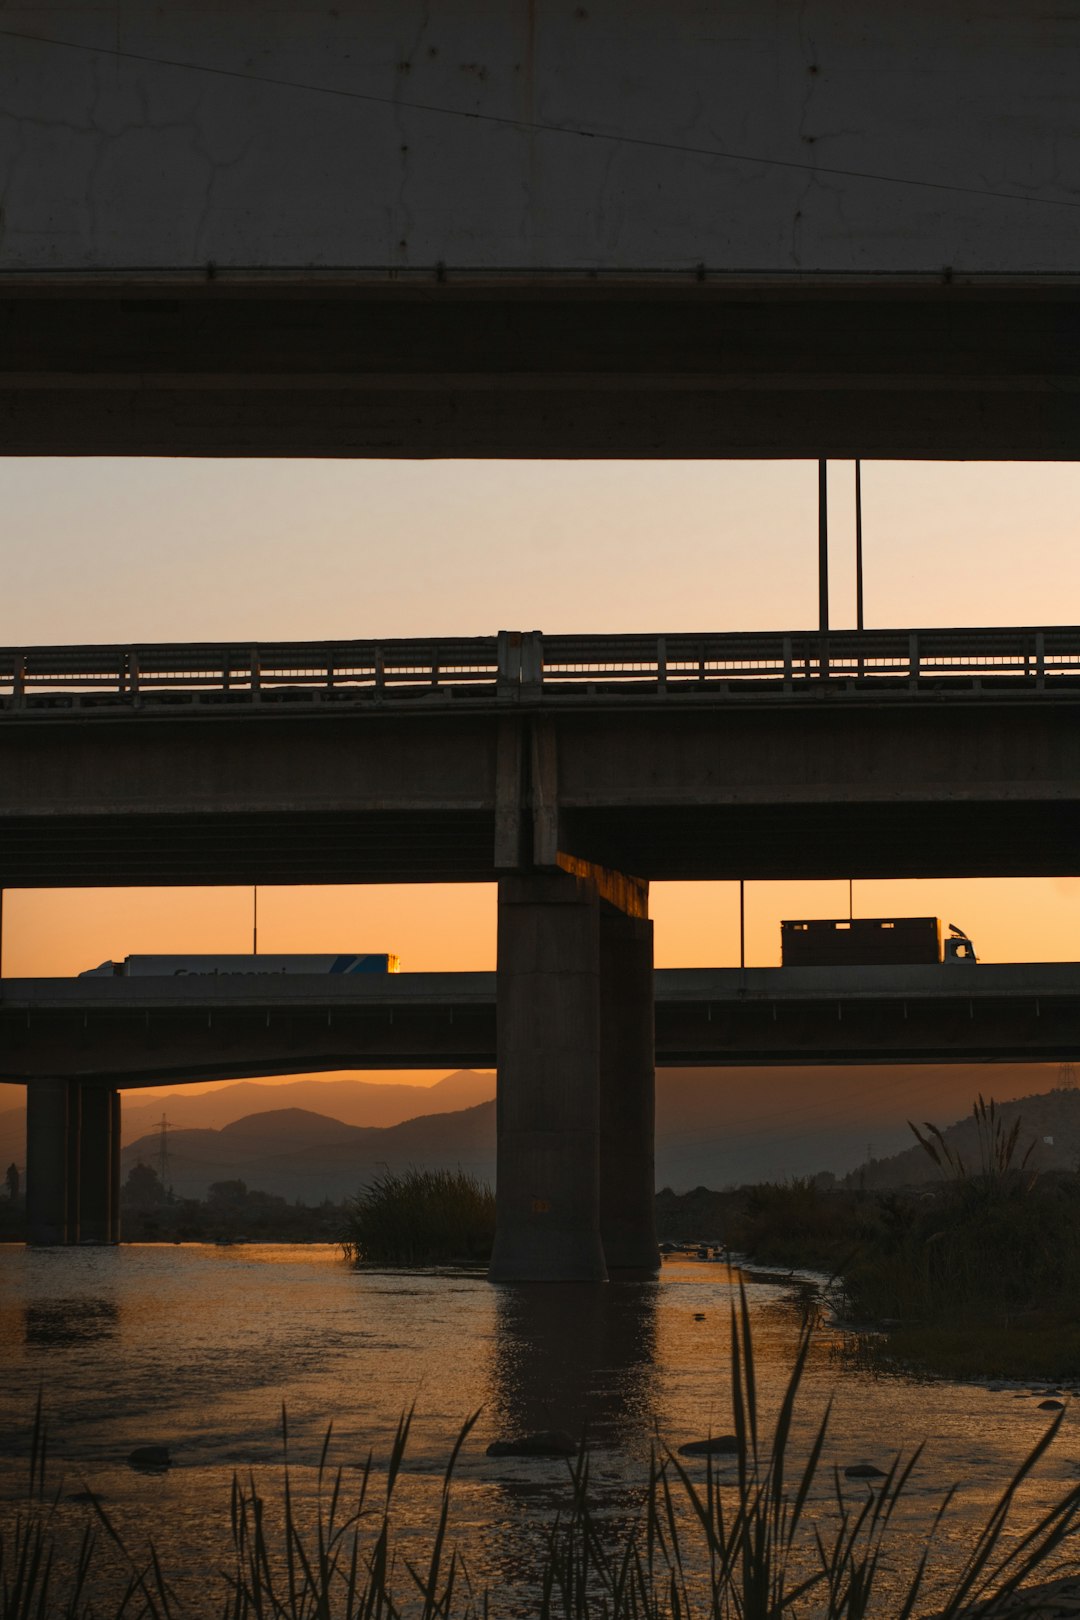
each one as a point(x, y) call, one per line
point(548, 1056)
point(575, 1077)
point(96, 1163)
point(52, 1161)
point(114, 1168)
point(627, 1095)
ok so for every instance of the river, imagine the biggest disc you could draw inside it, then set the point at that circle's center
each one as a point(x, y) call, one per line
point(198, 1348)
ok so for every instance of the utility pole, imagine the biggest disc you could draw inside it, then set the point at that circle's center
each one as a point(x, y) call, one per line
point(823, 546)
point(858, 547)
point(823, 565)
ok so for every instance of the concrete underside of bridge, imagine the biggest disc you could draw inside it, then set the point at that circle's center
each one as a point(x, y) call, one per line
point(507, 365)
point(820, 786)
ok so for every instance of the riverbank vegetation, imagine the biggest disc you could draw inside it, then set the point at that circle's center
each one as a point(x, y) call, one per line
point(231, 1211)
point(976, 1275)
point(756, 1535)
point(421, 1217)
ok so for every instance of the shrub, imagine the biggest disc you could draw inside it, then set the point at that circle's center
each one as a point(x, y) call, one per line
point(421, 1218)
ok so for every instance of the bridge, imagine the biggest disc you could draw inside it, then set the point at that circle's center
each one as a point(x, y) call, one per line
point(572, 771)
point(129, 1033)
point(863, 754)
point(382, 229)
point(75, 1042)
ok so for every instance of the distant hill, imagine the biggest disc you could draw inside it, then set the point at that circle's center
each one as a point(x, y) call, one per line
point(714, 1127)
point(302, 1155)
point(727, 1127)
point(1049, 1126)
point(354, 1101)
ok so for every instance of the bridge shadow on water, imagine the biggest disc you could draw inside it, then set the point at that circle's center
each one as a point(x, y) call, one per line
point(579, 1357)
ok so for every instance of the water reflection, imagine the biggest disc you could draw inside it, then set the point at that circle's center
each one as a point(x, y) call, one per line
point(577, 1357)
point(61, 1322)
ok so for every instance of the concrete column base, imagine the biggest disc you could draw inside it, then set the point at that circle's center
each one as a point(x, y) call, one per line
point(548, 1054)
point(52, 1161)
point(97, 1119)
point(575, 1078)
point(114, 1168)
point(627, 1095)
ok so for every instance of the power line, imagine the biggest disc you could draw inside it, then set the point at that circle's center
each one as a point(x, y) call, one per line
point(534, 126)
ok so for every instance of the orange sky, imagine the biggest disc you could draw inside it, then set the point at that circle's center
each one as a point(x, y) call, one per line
point(161, 550)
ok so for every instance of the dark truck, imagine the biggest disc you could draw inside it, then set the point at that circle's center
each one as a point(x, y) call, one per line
point(871, 941)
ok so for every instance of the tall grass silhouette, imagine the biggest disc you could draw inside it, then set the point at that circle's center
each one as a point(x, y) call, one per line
point(767, 1542)
point(421, 1217)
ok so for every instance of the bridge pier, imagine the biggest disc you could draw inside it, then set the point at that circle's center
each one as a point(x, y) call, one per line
point(99, 1165)
point(627, 1094)
point(72, 1162)
point(575, 1073)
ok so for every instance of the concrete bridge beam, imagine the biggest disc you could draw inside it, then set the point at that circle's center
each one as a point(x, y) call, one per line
point(575, 1066)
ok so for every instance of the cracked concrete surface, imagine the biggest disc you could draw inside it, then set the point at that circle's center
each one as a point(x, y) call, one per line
point(236, 133)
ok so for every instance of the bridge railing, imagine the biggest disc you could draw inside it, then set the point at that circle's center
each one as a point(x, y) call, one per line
point(236, 670)
point(517, 666)
point(909, 656)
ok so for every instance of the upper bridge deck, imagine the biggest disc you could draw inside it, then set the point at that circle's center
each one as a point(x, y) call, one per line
point(881, 753)
point(530, 667)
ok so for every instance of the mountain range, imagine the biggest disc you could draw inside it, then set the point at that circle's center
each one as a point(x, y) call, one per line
point(309, 1157)
point(715, 1127)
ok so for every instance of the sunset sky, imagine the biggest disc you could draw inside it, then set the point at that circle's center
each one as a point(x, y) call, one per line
point(118, 550)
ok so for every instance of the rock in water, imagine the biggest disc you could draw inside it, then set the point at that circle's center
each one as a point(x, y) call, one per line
point(864, 1471)
point(1051, 1406)
point(546, 1443)
point(720, 1445)
point(156, 1457)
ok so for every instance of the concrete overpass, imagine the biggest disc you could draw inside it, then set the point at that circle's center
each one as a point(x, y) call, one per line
point(540, 229)
point(572, 770)
point(126, 1033)
point(76, 1042)
point(875, 753)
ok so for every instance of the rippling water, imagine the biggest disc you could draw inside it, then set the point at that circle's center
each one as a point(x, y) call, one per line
point(198, 1347)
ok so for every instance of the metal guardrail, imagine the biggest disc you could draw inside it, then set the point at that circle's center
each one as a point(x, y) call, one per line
point(515, 666)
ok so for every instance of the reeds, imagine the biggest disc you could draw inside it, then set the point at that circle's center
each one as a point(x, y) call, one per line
point(421, 1218)
point(771, 1534)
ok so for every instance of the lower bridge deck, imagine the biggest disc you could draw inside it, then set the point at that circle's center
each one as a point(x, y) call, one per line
point(149, 1031)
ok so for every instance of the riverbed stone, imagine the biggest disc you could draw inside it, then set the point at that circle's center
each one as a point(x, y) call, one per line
point(1051, 1406)
point(863, 1471)
point(724, 1445)
point(151, 1457)
point(544, 1443)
